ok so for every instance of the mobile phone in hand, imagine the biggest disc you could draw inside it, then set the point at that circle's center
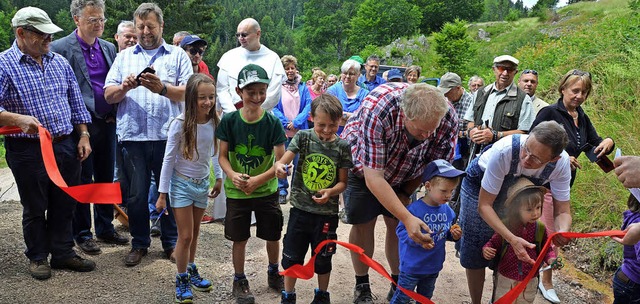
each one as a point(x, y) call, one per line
point(146, 70)
point(603, 162)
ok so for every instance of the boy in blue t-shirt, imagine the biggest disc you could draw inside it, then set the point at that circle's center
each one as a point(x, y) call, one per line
point(321, 175)
point(251, 139)
point(418, 266)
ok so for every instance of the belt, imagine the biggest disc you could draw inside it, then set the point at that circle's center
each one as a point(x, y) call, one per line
point(197, 181)
point(54, 140)
point(622, 277)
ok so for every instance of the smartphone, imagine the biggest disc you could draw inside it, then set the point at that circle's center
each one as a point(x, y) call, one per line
point(603, 162)
point(146, 70)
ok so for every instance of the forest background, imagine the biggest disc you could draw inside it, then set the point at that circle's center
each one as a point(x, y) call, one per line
point(461, 36)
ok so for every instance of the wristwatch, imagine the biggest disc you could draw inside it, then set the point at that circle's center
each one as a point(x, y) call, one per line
point(85, 133)
point(164, 90)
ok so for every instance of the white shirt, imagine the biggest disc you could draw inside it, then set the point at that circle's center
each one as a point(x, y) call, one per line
point(496, 163)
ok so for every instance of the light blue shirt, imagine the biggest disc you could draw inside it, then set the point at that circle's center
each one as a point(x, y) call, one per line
point(144, 115)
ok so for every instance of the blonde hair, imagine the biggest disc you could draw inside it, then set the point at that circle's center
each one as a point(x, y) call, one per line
point(423, 102)
point(574, 76)
point(288, 59)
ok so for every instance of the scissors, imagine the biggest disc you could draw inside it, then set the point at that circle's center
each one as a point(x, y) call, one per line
point(164, 211)
point(557, 264)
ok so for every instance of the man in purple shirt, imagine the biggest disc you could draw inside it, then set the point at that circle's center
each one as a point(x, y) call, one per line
point(38, 88)
point(90, 58)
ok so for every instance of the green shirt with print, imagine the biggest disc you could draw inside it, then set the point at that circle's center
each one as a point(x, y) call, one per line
point(251, 149)
point(318, 166)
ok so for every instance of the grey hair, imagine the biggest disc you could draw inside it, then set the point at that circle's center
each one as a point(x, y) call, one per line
point(181, 34)
point(77, 6)
point(423, 102)
point(552, 135)
point(123, 24)
point(348, 64)
point(145, 9)
point(332, 75)
point(373, 58)
point(474, 78)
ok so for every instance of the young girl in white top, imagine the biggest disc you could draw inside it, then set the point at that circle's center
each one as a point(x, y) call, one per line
point(185, 176)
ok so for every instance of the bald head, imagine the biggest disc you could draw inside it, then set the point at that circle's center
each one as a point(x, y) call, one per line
point(248, 34)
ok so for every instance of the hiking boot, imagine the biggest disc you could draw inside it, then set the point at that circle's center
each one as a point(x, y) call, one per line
point(89, 247)
point(40, 270)
point(197, 282)
point(275, 281)
point(321, 297)
point(183, 289)
point(114, 238)
point(288, 298)
point(392, 290)
point(75, 263)
point(155, 228)
point(242, 292)
point(135, 256)
point(362, 294)
point(206, 219)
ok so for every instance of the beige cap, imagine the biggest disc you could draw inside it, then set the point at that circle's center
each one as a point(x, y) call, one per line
point(522, 183)
point(33, 16)
point(507, 58)
point(449, 81)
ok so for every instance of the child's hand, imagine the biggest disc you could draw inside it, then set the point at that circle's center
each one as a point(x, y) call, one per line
point(282, 170)
point(161, 203)
point(217, 188)
point(321, 197)
point(456, 232)
point(488, 253)
point(251, 185)
point(239, 180)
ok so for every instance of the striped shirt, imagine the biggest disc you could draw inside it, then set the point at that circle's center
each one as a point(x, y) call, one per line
point(144, 115)
point(49, 92)
point(378, 138)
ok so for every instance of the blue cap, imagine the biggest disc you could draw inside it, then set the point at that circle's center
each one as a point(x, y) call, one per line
point(191, 39)
point(442, 168)
point(394, 74)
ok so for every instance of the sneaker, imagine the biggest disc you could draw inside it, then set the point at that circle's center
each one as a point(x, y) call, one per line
point(89, 247)
point(275, 281)
point(75, 263)
point(155, 228)
point(282, 199)
point(197, 282)
point(242, 292)
point(40, 270)
point(392, 290)
point(362, 294)
point(342, 215)
point(183, 289)
point(206, 219)
point(321, 297)
point(288, 298)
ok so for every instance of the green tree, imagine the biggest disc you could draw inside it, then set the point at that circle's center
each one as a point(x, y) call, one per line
point(454, 47)
point(542, 6)
point(65, 22)
point(436, 12)
point(6, 32)
point(326, 23)
point(378, 22)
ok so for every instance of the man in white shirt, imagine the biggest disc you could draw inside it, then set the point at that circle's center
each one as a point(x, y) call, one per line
point(249, 51)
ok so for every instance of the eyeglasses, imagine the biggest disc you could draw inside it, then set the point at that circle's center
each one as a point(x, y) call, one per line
point(349, 74)
point(501, 69)
point(580, 73)
point(42, 35)
point(536, 160)
point(95, 21)
point(243, 35)
point(527, 71)
point(194, 51)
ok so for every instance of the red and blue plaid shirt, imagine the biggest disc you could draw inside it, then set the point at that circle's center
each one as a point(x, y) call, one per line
point(379, 141)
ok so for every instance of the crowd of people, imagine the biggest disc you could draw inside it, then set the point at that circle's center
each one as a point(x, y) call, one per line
point(497, 163)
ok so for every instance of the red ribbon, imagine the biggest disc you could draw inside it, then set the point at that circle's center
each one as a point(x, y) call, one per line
point(307, 271)
point(96, 193)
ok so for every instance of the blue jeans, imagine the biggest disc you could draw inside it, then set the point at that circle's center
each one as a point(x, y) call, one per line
point(153, 198)
point(625, 292)
point(283, 183)
point(425, 282)
point(98, 167)
point(50, 233)
point(140, 160)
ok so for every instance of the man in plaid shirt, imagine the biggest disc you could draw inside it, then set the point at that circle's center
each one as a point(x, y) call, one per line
point(396, 132)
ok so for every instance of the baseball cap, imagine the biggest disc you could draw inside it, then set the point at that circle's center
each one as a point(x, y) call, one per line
point(440, 167)
point(506, 58)
point(449, 81)
point(35, 17)
point(521, 184)
point(252, 73)
point(192, 39)
point(394, 74)
point(357, 58)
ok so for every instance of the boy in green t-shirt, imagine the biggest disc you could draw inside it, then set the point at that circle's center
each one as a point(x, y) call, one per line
point(251, 139)
point(321, 175)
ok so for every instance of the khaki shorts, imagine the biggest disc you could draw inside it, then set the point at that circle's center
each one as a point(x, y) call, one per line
point(502, 285)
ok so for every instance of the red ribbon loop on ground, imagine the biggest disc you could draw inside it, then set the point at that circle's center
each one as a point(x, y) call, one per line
point(97, 193)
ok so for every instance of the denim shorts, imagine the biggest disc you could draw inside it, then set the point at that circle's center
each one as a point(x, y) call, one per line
point(185, 191)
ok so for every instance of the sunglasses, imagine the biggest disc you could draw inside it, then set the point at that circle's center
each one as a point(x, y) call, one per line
point(580, 73)
point(194, 51)
point(44, 36)
point(501, 69)
point(243, 35)
point(527, 71)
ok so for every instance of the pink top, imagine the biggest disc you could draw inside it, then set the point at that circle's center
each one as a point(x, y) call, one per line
point(509, 265)
point(312, 93)
point(290, 107)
